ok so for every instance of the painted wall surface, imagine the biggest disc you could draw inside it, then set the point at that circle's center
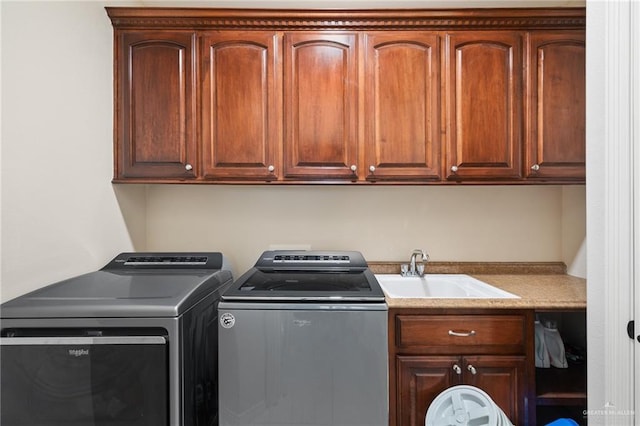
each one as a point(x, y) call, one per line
point(480, 223)
point(61, 216)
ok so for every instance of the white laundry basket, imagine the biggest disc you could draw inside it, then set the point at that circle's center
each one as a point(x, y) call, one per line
point(465, 405)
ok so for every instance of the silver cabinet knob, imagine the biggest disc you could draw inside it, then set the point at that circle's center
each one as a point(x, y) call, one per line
point(353, 168)
point(271, 168)
point(454, 169)
point(471, 369)
point(188, 167)
point(535, 167)
point(457, 369)
point(372, 169)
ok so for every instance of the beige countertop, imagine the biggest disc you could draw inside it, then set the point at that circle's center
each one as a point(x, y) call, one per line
point(539, 286)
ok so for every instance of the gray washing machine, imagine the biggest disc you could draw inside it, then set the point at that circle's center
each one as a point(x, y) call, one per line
point(303, 341)
point(134, 343)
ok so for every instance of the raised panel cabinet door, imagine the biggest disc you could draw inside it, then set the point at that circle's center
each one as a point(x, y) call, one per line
point(155, 126)
point(320, 104)
point(420, 379)
point(484, 105)
point(402, 122)
point(503, 378)
point(556, 138)
point(240, 124)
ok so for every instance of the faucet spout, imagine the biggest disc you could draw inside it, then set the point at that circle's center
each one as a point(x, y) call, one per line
point(416, 268)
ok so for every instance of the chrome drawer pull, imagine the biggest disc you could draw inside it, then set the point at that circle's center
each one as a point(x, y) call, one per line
point(462, 334)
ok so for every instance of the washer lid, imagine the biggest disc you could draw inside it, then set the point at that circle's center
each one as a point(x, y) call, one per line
point(257, 285)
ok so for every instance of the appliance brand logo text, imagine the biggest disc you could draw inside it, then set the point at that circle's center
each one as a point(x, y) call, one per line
point(79, 352)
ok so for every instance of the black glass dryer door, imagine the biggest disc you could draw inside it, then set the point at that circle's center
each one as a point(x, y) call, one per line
point(87, 381)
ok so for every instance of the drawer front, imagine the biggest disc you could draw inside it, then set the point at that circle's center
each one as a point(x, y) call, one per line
point(461, 333)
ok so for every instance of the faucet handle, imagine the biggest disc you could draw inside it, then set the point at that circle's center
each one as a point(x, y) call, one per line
point(404, 269)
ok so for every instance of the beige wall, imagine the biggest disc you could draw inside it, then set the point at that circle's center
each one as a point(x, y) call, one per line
point(480, 223)
point(61, 216)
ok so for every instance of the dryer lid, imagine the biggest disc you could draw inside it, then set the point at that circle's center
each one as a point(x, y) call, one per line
point(118, 291)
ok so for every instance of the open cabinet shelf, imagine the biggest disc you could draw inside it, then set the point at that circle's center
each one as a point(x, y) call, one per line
point(562, 386)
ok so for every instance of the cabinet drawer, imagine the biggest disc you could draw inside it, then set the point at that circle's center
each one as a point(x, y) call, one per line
point(461, 333)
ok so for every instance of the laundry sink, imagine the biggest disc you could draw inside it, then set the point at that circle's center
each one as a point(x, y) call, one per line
point(442, 286)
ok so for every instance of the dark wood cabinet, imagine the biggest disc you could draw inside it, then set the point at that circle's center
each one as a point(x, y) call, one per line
point(402, 106)
point(556, 137)
point(422, 378)
point(367, 97)
point(432, 350)
point(483, 91)
point(155, 98)
point(240, 105)
point(320, 108)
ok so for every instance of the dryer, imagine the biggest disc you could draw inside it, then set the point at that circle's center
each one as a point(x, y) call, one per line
point(134, 343)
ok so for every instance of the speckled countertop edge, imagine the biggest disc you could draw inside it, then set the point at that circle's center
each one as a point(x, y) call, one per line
point(540, 286)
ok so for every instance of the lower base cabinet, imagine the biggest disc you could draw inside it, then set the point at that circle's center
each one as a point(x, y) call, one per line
point(433, 350)
point(423, 378)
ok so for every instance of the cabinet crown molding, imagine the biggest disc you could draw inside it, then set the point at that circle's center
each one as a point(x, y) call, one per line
point(413, 19)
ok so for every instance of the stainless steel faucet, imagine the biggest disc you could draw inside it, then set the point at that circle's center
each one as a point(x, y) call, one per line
point(416, 269)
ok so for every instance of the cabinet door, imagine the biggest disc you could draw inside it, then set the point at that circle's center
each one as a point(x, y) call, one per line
point(503, 378)
point(240, 118)
point(402, 106)
point(320, 104)
point(483, 100)
point(556, 138)
point(155, 125)
point(419, 380)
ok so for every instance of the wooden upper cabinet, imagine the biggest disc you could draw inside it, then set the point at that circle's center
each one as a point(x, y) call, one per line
point(484, 105)
point(240, 119)
point(320, 105)
point(556, 138)
point(209, 95)
point(155, 118)
point(402, 118)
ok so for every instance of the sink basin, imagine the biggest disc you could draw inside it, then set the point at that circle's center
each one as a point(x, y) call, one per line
point(443, 286)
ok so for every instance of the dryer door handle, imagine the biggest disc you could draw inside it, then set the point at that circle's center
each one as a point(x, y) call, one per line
point(98, 340)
